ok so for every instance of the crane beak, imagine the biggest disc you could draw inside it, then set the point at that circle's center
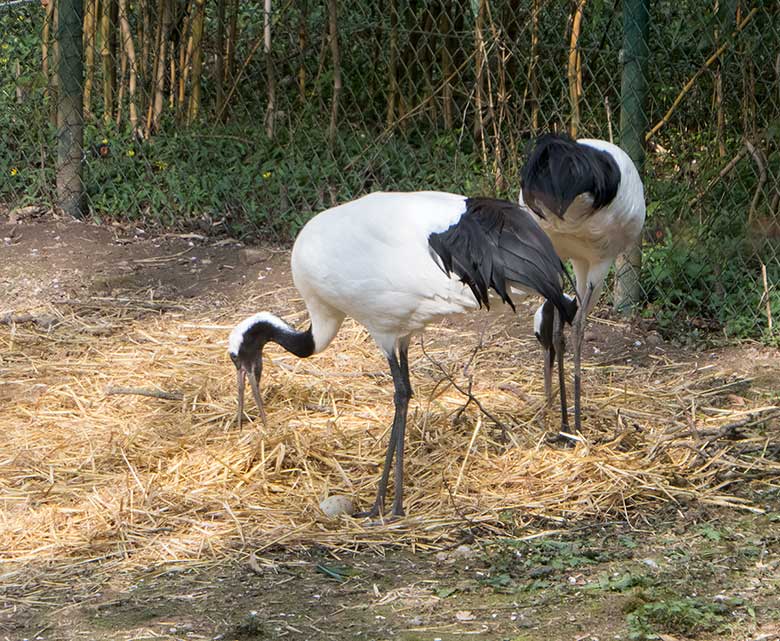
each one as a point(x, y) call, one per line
point(252, 372)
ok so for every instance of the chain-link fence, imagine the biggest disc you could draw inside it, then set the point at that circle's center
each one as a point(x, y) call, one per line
point(248, 117)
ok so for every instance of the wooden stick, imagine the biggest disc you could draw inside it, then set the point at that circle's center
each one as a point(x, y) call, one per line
point(767, 297)
point(144, 391)
point(721, 175)
point(688, 85)
point(468, 394)
point(18, 319)
point(468, 453)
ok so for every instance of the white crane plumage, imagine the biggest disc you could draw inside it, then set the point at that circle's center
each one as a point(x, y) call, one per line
point(589, 199)
point(396, 262)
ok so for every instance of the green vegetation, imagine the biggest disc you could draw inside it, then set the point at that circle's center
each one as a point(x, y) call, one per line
point(687, 617)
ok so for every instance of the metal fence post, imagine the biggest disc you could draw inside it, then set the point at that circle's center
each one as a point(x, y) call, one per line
point(633, 125)
point(70, 119)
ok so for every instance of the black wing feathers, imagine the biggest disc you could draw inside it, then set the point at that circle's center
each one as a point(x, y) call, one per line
point(559, 169)
point(496, 243)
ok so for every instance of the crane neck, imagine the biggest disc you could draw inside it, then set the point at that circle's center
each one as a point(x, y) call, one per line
point(299, 343)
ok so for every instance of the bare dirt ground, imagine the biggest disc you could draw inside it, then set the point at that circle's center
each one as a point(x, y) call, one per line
point(679, 571)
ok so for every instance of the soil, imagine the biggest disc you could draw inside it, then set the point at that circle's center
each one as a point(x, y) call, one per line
point(688, 572)
point(52, 260)
point(709, 574)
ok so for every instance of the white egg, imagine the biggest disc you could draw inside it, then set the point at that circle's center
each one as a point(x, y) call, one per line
point(337, 505)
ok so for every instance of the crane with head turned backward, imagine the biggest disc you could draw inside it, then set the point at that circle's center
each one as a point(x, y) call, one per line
point(589, 199)
point(396, 262)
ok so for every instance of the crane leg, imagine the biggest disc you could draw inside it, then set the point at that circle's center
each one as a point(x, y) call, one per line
point(395, 446)
point(560, 348)
point(402, 397)
point(549, 357)
point(579, 336)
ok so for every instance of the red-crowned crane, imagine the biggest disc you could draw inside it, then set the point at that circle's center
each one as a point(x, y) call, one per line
point(590, 200)
point(396, 262)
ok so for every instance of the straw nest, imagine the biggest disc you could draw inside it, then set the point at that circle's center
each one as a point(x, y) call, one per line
point(94, 469)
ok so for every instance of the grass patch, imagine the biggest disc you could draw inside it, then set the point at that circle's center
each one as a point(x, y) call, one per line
point(687, 617)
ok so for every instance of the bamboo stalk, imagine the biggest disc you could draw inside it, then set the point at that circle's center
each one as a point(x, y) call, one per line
point(197, 59)
point(335, 53)
point(172, 84)
point(409, 58)
point(52, 24)
point(494, 121)
point(303, 37)
point(156, 106)
point(185, 60)
point(129, 49)
point(230, 56)
point(219, 62)
point(154, 68)
point(231, 42)
point(533, 81)
point(90, 40)
point(270, 111)
point(479, 74)
point(445, 27)
point(718, 89)
point(392, 67)
point(121, 81)
point(145, 37)
point(574, 69)
point(428, 60)
point(108, 56)
point(45, 37)
point(184, 44)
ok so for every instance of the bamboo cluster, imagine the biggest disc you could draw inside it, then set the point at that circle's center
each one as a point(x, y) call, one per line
point(148, 57)
point(492, 68)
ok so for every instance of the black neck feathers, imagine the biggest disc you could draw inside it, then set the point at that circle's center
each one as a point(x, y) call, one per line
point(299, 343)
point(250, 337)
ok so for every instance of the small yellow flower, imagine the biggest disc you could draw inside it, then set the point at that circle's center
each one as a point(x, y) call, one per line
point(105, 141)
point(130, 153)
point(266, 174)
point(3, 61)
point(14, 171)
point(160, 164)
point(6, 45)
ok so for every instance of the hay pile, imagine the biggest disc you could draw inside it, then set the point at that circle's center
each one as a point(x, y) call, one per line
point(91, 472)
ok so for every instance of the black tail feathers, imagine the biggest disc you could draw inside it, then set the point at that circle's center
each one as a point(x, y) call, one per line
point(497, 243)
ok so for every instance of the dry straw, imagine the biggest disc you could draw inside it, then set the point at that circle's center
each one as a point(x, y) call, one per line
point(118, 440)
